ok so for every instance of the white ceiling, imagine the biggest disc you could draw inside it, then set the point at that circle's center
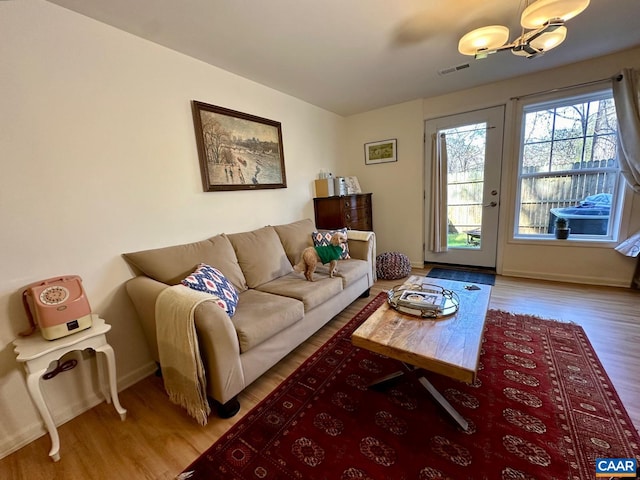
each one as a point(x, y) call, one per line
point(351, 56)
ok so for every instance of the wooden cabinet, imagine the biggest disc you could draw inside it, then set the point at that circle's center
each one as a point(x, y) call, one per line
point(351, 211)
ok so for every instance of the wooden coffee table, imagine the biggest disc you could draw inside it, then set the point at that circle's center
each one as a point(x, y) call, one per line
point(449, 346)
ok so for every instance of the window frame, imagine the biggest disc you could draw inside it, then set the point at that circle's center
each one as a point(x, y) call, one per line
point(619, 214)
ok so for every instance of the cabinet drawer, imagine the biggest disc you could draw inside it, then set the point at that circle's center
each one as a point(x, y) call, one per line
point(351, 211)
point(357, 215)
point(356, 201)
point(363, 224)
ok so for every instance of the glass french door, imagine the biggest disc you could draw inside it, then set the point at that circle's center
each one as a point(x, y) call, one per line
point(471, 186)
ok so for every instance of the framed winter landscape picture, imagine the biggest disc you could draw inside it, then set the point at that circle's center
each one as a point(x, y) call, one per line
point(238, 151)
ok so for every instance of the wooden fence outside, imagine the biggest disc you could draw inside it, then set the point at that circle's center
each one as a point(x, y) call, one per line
point(538, 194)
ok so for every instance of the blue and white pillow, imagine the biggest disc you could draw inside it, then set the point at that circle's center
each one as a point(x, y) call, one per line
point(211, 280)
point(322, 238)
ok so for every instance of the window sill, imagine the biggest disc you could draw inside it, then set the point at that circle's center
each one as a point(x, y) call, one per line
point(569, 242)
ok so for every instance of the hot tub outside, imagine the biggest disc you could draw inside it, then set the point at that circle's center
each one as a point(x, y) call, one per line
point(589, 217)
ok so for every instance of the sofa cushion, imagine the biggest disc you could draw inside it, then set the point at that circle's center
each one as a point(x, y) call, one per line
point(311, 294)
point(322, 238)
point(260, 316)
point(349, 271)
point(171, 264)
point(260, 255)
point(210, 280)
point(295, 237)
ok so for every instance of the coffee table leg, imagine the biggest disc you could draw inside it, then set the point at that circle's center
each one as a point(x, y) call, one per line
point(386, 378)
point(444, 403)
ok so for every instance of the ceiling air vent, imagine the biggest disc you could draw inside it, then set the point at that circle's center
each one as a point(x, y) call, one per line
point(455, 68)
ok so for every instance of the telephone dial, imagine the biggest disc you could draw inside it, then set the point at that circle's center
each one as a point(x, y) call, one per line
point(58, 305)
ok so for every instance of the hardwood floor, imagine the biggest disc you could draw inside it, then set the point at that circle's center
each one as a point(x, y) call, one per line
point(158, 440)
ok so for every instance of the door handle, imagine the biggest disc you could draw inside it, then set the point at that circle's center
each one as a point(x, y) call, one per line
point(491, 204)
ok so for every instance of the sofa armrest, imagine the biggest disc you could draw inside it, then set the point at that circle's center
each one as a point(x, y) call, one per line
point(362, 246)
point(143, 292)
point(220, 352)
point(217, 337)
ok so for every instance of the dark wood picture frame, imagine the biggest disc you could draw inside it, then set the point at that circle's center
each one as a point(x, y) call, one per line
point(238, 151)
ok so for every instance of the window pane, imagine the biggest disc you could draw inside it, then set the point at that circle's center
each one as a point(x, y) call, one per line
point(574, 195)
point(466, 148)
point(604, 149)
point(538, 126)
point(570, 121)
point(536, 157)
point(566, 154)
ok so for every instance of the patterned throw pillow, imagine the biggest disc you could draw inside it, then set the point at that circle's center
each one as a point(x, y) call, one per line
point(322, 238)
point(211, 280)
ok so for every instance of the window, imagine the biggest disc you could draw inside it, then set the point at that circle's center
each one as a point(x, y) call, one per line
point(568, 168)
point(466, 147)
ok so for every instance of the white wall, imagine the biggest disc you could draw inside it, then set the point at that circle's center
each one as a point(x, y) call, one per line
point(398, 190)
point(396, 186)
point(98, 157)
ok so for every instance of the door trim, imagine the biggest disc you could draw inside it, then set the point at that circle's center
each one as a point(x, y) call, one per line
point(487, 255)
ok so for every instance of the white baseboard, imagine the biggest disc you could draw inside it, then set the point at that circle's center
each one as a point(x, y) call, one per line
point(35, 430)
point(135, 376)
point(559, 277)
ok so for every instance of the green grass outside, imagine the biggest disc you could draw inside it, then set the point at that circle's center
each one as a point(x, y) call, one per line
point(458, 240)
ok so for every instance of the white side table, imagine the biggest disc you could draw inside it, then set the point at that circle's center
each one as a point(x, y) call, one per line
point(37, 354)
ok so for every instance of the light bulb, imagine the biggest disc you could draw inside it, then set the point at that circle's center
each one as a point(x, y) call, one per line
point(549, 40)
point(541, 11)
point(485, 38)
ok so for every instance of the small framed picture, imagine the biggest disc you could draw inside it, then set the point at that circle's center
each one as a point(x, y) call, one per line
point(381, 152)
point(353, 186)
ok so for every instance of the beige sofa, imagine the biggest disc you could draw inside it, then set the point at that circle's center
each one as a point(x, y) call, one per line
point(277, 309)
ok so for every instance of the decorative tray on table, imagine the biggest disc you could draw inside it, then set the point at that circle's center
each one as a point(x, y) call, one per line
point(423, 300)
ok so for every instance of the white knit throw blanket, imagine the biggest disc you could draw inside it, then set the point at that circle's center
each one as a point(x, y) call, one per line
point(182, 368)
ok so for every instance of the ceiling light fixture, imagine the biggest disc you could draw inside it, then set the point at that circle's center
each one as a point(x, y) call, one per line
point(542, 29)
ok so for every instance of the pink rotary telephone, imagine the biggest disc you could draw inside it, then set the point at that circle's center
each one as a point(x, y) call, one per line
point(58, 306)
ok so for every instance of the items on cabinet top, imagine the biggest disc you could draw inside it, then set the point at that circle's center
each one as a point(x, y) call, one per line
point(328, 185)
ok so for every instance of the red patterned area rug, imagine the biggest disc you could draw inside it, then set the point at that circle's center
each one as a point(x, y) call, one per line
point(542, 408)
